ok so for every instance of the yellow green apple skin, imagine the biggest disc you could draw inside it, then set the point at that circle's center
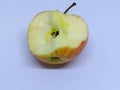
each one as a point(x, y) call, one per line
point(55, 37)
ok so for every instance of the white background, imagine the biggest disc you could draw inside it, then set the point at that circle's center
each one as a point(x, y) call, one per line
point(98, 66)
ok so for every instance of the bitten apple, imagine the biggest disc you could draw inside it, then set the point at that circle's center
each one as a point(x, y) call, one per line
point(55, 37)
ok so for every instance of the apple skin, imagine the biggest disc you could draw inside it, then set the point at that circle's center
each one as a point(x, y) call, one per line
point(66, 54)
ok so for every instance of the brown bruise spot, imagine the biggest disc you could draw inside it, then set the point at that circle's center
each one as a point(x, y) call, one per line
point(65, 54)
point(49, 60)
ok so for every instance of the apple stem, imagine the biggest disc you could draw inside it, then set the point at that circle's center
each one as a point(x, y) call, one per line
point(69, 7)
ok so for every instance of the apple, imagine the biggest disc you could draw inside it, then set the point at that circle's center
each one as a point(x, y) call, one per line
point(55, 37)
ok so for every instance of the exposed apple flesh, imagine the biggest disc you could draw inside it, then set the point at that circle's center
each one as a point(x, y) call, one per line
point(55, 37)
